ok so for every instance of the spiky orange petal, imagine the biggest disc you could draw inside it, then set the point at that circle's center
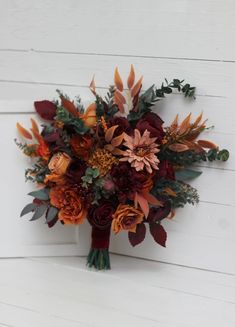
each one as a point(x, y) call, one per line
point(118, 80)
point(131, 78)
point(137, 87)
point(24, 131)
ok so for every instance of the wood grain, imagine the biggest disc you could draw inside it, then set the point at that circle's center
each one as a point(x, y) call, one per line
point(180, 28)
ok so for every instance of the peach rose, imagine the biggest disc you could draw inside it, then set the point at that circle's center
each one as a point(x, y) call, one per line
point(59, 163)
point(72, 209)
point(126, 217)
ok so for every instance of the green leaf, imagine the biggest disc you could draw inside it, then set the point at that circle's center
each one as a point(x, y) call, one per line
point(96, 172)
point(39, 212)
point(42, 194)
point(51, 214)
point(187, 174)
point(28, 208)
point(223, 155)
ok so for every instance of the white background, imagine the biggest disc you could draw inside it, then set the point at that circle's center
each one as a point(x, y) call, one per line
point(46, 45)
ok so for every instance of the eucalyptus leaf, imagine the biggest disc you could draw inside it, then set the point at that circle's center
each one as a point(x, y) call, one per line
point(42, 194)
point(51, 214)
point(187, 174)
point(28, 208)
point(39, 212)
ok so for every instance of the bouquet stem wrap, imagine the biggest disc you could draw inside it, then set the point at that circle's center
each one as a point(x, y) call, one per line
point(98, 256)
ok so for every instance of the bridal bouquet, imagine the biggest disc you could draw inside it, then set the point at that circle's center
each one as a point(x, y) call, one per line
point(114, 163)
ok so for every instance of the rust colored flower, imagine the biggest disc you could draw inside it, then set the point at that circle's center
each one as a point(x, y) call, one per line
point(103, 160)
point(141, 152)
point(81, 145)
point(126, 217)
point(59, 163)
point(71, 208)
point(54, 178)
point(43, 150)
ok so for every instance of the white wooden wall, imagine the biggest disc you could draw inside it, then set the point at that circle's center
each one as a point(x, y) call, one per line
point(49, 44)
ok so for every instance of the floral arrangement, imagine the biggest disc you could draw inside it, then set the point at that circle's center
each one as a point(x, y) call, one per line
point(114, 163)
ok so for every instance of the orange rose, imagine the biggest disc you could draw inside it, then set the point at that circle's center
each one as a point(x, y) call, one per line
point(126, 217)
point(54, 178)
point(59, 163)
point(72, 210)
point(81, 145)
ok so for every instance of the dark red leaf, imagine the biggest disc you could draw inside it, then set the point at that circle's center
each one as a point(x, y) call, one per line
point(138, 236)
point(46, 109)
point(159, 234)
point(52, 222)
point(37, 201)
point(158, 213)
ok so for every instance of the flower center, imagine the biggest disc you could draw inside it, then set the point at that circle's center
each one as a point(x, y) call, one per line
point(142, 151)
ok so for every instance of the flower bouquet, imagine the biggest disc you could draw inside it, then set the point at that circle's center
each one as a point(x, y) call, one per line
point(114, 163)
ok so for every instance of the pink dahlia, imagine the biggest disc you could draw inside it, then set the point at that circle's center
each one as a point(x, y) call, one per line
point(141, 152)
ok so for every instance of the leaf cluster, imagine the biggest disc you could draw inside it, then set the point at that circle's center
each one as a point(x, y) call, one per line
point(184, 193)
point(68, 120)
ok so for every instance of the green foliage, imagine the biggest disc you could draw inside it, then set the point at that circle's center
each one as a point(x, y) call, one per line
point(37, 173)
point(154, 94)
point(42, 194)
point(39, 212)
point(185, 174)
point(64, 116)
point(90, 175)
point(190, 157)
point(51, 214)
point(185, 193)
point(28, 208)
point(100, 109)
point(27, 150)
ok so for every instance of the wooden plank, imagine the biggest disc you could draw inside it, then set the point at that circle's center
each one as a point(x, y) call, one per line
point(210, 78)
point(70, 293)
point(185, 29)
point(17, 316)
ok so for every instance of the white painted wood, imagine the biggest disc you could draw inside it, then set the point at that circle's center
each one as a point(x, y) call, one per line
point(78, 70)
point(180, 28)
point(54, 291)
point(18, 236)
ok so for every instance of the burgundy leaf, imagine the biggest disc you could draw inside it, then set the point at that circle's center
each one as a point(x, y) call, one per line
point(158, 213)
point(46, 109)
point(138, 236)
point(51, 223)
point(159, 234)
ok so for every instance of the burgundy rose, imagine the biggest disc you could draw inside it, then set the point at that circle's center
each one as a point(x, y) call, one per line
point(123, 125)
point(100, 215)
point(46, 109)
point(156, 214)
point(165, 171)
point(75, 172)
point(153, 123)
point(127, 180)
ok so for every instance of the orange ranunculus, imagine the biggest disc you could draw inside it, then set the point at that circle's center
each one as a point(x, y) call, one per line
point(89, 117)
point(59, 163)
point(126, 217)
point(71, 208)
point(54, 178)
point(81, 145)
